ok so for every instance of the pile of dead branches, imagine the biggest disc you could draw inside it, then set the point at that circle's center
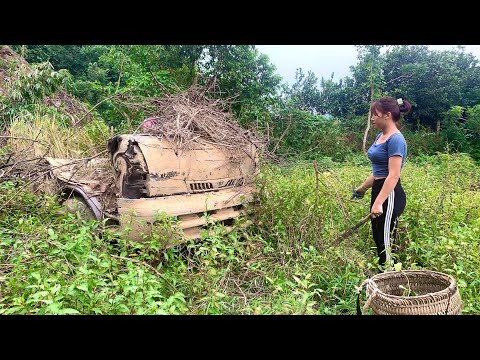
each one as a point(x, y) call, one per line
point(190, 115)
point(29, 170)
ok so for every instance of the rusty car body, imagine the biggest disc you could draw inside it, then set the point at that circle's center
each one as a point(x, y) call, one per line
point(146, 175)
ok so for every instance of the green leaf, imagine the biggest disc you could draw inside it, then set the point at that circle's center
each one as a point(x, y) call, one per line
point(82, 287)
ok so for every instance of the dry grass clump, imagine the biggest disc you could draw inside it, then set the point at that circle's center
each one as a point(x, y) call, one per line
point(46, 136)
point(31, 139)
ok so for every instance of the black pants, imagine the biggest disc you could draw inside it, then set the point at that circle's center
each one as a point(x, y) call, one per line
point(384, 227)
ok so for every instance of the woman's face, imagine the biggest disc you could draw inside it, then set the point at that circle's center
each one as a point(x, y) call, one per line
point(379, 119)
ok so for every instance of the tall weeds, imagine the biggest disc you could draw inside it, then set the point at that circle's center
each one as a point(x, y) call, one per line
point(54, 136)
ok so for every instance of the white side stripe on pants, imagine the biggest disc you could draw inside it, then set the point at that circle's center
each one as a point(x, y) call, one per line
point(386, 227)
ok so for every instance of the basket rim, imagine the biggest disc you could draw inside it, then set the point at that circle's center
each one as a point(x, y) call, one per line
point(451, 288)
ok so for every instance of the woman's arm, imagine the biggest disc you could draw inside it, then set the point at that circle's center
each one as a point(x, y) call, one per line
point(367, 184)
point(394, 167)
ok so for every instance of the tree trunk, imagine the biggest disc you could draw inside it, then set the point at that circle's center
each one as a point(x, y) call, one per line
point(120, 74)
point(369, 113)
point(366, 132)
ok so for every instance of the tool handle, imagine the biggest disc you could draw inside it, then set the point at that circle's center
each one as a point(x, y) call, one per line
point(351, 230)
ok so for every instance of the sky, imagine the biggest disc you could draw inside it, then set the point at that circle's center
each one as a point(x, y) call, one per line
point(322, 60)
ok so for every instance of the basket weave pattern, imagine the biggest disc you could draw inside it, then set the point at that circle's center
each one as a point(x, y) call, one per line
point(434, 293)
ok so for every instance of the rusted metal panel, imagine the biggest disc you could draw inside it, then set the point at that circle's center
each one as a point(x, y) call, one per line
point(176, 205)
point(177, 171)
point(165, 187)
point(93, 176)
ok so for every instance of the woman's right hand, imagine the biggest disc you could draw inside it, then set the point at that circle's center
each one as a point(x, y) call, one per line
point(361, 190)
point(358, 193)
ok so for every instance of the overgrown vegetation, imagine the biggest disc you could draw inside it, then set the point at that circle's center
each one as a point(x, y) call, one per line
point(57, 264)
point(54, 263)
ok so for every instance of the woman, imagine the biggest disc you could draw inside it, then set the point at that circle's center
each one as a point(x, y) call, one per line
point(387, 155)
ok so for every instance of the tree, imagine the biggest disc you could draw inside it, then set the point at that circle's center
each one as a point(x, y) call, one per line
point(337, 98)
point(74, 58)
point(240, 71)
point(433, 81)
point(369, 82)
point(351, 96)
point(304, 93)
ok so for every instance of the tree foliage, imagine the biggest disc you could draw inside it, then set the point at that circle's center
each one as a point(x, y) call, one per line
point(433, 81)
point(304, 93)
point(27, 89)
point(242, 72)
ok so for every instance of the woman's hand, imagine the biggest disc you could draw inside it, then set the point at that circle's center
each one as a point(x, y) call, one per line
point(377, 210)
point(358, 193)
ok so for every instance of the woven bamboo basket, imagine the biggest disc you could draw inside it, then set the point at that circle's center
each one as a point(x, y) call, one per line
point(411, 292)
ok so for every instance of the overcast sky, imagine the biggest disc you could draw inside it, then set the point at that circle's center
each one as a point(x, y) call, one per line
point(324, 59)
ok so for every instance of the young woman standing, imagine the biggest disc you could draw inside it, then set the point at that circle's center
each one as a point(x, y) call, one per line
point(387, 155)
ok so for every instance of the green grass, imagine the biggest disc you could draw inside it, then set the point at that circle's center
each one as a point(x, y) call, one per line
point(284, 264)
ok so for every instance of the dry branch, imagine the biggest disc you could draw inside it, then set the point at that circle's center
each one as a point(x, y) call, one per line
point(350, 231)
